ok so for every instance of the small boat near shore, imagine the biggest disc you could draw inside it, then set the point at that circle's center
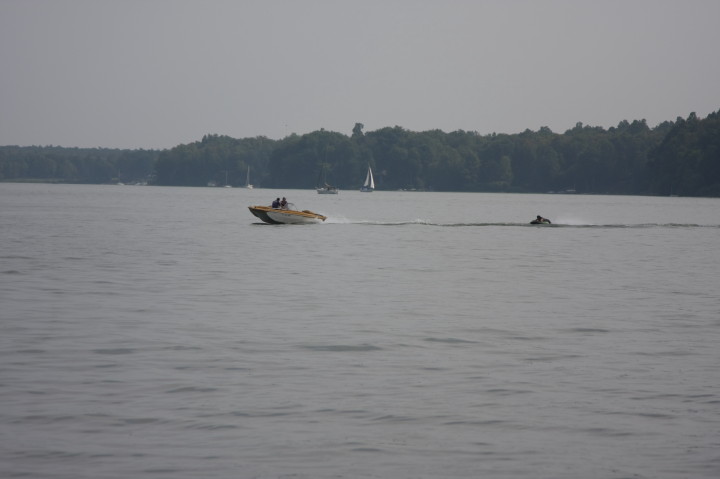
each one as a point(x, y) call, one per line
point(289, 216)
point(327, 190)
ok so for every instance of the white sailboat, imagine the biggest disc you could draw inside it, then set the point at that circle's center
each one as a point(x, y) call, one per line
point(247, 180)
point(369, 184)
point(326, 189)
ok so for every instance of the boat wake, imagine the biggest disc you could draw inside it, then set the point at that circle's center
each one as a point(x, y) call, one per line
point(419, 222)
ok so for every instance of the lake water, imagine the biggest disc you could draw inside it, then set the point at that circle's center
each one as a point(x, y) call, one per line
point(163, 333)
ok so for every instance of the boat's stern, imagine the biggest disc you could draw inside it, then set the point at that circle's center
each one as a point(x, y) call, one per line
point(261, 212)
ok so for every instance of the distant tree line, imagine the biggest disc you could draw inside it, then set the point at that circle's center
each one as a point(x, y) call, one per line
point(680, 157)
point(75, 165)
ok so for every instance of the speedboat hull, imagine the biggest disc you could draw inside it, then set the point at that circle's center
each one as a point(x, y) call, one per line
point(261, 212)
point(288, 217)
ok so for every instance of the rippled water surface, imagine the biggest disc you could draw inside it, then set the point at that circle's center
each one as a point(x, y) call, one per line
point(164, 333)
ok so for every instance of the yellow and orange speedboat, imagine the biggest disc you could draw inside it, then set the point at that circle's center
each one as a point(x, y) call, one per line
point(287, 215)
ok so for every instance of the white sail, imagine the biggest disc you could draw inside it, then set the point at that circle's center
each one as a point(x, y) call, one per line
point(369, 184)
point(247, 180)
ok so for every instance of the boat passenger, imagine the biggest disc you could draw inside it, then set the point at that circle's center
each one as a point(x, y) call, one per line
point(283, 204)
point(276, 203)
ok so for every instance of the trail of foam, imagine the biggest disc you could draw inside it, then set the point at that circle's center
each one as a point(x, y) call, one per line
point(420, 222)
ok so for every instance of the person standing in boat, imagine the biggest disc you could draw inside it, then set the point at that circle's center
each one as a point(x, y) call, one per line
point(283, 204)
point(276, 203)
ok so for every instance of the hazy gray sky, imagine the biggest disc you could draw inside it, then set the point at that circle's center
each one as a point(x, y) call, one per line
point(158, 73)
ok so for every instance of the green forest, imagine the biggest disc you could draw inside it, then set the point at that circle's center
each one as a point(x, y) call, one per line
point(680, 157)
